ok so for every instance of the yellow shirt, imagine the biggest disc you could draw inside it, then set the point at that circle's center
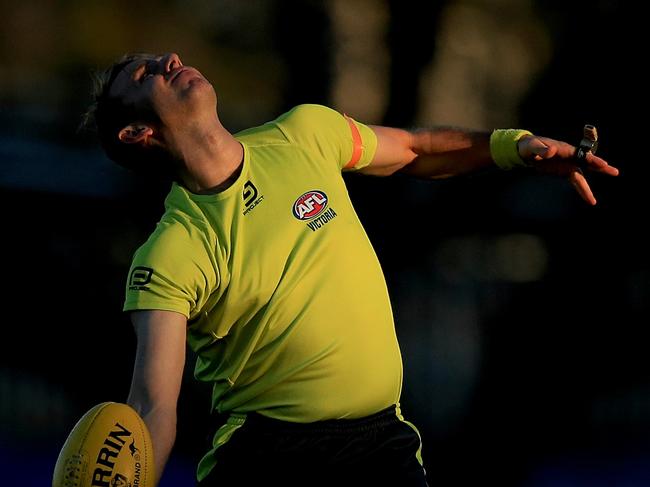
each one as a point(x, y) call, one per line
point(286, 302)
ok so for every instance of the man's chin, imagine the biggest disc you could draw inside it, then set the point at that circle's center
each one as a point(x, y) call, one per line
point(198, 87)
point(196, 80)
point(200, 94)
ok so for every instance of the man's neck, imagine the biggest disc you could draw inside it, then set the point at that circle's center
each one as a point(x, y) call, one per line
point(212, 158)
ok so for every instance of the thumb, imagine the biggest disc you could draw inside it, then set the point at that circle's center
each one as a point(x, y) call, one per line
point(536, 149)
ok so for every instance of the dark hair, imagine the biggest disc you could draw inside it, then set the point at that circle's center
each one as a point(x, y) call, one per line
point(108, 115)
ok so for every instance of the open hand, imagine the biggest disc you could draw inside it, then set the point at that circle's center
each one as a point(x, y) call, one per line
point(556, 157)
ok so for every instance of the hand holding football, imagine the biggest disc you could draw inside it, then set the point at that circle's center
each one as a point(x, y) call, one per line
point(110, 446)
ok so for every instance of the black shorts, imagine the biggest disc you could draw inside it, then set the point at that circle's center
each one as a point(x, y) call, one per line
point(380, 449)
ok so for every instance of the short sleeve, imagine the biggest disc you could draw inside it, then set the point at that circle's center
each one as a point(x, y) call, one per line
point(335, 136)
point(172, 271)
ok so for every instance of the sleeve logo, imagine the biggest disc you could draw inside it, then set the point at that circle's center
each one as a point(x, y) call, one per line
point(139, 278)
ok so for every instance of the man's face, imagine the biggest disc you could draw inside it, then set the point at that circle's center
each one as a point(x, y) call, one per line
point(161, 88)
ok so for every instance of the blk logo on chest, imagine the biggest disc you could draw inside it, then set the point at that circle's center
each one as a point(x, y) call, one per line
point(251, 197)
point(313, 208)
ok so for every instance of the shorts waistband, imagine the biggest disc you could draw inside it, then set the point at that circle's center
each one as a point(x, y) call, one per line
point(329, 426)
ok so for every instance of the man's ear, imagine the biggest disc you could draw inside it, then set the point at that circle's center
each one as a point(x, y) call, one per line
point(135, 133)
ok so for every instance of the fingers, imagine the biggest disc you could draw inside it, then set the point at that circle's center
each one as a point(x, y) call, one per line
point(559, 157)
point(596, 164)
point(565, 152)
point(578, 181)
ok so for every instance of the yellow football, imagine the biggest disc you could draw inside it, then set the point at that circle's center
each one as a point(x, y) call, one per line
point(109, 446)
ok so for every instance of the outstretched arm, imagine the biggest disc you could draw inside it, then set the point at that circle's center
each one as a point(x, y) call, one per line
point(430, 154)
point(157, 375)
point(444, 152)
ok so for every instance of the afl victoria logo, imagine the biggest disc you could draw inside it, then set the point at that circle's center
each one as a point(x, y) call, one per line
point(309, 205)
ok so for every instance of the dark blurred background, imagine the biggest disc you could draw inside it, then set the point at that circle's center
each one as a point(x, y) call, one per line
point(522, 313)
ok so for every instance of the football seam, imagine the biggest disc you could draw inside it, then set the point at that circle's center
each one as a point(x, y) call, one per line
point(104, 406)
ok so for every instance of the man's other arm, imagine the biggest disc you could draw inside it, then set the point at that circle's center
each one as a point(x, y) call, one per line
point(157, 375)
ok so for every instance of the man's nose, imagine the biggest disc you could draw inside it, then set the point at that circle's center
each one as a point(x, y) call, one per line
point(170, 61)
